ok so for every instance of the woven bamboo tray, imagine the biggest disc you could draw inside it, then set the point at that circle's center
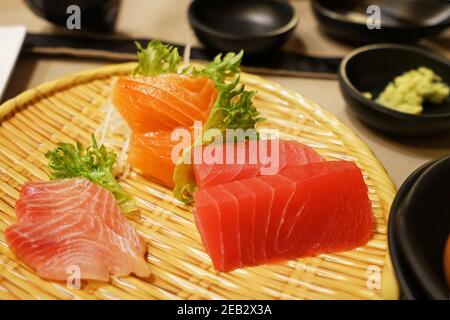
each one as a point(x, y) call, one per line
point(71, 108)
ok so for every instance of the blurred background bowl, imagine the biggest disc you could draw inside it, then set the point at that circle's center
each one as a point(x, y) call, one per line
point(256, 26)
point(409, 285)
point(371, 68)
point(96, 15)
point(401, 20)
point(419, 226)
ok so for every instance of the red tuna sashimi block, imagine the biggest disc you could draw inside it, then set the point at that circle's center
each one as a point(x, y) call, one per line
point(248, 159)
point(73, 222)
point(302, 211)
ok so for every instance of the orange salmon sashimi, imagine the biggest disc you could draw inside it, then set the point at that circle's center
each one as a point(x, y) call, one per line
point(151, 155)
point(164, 102)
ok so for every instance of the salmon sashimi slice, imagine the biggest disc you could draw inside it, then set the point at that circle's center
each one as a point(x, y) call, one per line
point(150, 155)
point(164, 102)
point(69, 223)
point(246, 159)
point(302, 211)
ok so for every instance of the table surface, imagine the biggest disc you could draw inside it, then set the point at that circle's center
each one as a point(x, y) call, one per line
point(167, 20)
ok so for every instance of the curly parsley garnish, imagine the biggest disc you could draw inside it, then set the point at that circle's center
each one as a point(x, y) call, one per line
point(233, 108)
point(93, 162)
point(157, 58)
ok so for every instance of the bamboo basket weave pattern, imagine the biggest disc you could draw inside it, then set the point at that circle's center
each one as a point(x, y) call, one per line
point(71, 108)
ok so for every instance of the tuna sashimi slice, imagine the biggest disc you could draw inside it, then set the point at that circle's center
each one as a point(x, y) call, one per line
point(283, 191)
point(208, 220)
point(246, 203)
point(302, 211)
point(351, 223)
point(229, 220)
point(247, 159)
point(70, 223)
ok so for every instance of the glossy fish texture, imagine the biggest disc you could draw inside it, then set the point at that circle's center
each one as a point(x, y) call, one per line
point(69, 223)
point(154, 107)
point(150, 154)
point(302, 211)
point(163, 102)
point(248, 159)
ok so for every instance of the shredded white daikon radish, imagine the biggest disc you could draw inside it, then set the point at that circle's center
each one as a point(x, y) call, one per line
point(115, 133)
point(104, 127)
point(124, 149)
point(186, 53)
point(125, 172)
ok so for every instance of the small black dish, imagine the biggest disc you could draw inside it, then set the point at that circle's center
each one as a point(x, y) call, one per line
point(96, 15)
point(423, 226)
point(409, 286)
point(371, 68)
point(418, 230)
point(347, 20)
point(253, 25)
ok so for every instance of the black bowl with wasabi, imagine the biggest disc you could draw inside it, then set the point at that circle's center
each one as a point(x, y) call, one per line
point(398, 89)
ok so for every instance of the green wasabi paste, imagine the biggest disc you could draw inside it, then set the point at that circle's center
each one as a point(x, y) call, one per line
point(408, 92)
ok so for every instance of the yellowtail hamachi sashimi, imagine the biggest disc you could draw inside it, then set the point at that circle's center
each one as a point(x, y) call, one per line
point(74, 223)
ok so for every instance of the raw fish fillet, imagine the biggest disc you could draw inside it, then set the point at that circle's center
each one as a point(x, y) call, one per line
point(150, 154)
point(155, 106)
point(302, 211)
point(73, 222)
point(164, 102)
point(248, 158)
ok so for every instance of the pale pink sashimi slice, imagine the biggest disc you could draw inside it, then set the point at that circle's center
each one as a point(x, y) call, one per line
point(247, 159)
point(74, 223)
point(303, 211)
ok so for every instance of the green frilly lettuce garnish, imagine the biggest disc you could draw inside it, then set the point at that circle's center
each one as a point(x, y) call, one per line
point(157, 58)
point(220, 68)
point(93, 162)
point(233, 108)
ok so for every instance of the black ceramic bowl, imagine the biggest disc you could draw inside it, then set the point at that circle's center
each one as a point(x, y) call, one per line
point(409, 285)
point(347, 20)
point(253, 25)
point(371, 68)
point(418, 229)
point(97, 15)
